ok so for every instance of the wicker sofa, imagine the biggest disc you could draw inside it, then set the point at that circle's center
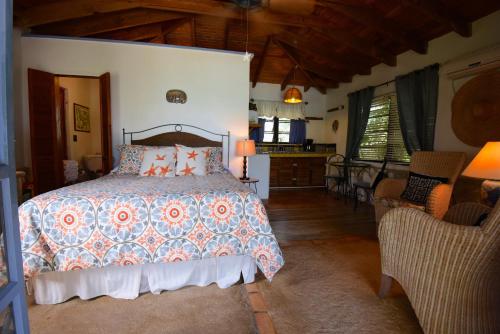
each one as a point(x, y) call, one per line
point(448, 268)
point(440, 164)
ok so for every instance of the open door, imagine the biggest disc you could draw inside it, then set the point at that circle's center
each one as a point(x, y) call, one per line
point(107, 146)
point(47, 142)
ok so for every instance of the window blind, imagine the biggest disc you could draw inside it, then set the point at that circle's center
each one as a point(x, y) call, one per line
point(383, 138)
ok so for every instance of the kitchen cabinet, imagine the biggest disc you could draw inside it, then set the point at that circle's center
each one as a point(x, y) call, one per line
point(297, 171)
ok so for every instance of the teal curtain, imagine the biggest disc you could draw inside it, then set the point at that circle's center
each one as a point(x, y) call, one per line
point(417, 95)
point(257, 134)
point(297, 131)
point(359, 111)
point(262, 123)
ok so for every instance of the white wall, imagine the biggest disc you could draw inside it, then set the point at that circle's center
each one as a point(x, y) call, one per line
point(485, 33)
point(216, 83)
point(84, 92)
point(316, 106)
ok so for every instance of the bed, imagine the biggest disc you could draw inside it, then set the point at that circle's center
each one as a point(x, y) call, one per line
point(122, 235)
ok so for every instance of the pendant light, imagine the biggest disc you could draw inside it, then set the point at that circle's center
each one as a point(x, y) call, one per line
point(293, 95)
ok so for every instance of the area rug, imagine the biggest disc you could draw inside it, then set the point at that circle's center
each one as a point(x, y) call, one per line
point(330, 286)
point(188, 310)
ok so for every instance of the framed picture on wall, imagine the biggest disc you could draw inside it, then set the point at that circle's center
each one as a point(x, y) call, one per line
point(81, 117)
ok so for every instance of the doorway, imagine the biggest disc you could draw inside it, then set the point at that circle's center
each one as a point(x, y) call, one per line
point(81, 133)
point(70, 128)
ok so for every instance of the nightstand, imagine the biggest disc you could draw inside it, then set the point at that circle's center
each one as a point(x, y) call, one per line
point(250, 182)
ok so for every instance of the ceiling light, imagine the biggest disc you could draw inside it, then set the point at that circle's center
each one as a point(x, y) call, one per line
point(293, 95)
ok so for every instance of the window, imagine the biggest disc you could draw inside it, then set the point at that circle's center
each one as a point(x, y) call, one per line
point(283, 130)
point(268, 130)
point(383, 138)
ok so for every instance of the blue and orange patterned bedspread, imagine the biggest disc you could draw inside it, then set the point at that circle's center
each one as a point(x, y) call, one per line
point(126, 220)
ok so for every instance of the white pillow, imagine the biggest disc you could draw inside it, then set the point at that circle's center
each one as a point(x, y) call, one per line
point(158, 161)
point(191, 160)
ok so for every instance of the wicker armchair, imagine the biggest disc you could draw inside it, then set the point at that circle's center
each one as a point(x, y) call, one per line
point(440, 164)
point(449, 269)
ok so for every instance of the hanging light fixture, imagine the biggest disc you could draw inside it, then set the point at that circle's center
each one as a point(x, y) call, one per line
point(293, 95)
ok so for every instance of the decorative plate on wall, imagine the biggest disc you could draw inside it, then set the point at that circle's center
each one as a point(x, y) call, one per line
point(475, 115)
point(335, 125)
point(176, 96)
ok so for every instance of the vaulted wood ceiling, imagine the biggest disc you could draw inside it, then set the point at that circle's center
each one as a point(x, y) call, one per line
point(315, 43)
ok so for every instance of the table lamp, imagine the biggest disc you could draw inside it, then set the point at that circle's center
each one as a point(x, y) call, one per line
point(245, 148)
point(486, 165)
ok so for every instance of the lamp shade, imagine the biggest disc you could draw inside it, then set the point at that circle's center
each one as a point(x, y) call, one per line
point(245, 148)
point(486, 164)
point(292, 95)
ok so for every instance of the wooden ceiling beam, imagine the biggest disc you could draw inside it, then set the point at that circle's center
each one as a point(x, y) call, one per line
point(378, 22)
point(227, 30)
point(298, 63)
point(160, 39)
point(102, 23)
point(315, 49)
point(320, 70)
point(133, 33)
point(193, 31)
point(46, 13)
point(360, 45)
point(169, 26)
point(260, 64)
point(144, 32)
point(288, 78)
point(438, 11)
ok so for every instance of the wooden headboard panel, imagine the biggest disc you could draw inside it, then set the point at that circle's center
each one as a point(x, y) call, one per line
point(181, 138)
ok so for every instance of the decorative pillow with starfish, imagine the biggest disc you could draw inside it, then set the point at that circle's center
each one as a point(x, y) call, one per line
point(158, 161)
point(191, 160)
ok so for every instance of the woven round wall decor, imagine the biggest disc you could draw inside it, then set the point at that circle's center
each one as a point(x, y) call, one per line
point(475, 117)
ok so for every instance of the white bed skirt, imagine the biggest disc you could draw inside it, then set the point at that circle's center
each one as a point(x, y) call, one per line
point(128, 282)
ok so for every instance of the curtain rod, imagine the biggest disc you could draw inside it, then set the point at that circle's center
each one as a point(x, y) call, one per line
point(394, 80)
point(385, 83)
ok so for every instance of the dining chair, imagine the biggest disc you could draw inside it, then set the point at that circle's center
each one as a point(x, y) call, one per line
point(367, 187)
point(336, 174)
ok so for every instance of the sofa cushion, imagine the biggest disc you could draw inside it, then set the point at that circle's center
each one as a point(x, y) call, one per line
point(420, 186)
point(397, 203)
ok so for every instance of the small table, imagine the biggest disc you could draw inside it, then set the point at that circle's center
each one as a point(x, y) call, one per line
point(250, 182)
point(345, 168)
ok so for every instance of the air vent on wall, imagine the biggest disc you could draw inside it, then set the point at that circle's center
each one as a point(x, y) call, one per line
point(474, 64)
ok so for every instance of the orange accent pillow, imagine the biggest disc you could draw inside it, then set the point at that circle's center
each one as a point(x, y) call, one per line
point(158, 162)
point(191, 160)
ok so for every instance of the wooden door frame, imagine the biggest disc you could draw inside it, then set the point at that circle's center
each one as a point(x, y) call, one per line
point(62, 105)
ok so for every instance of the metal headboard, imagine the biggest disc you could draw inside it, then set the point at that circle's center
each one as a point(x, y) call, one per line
point(179, 127)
